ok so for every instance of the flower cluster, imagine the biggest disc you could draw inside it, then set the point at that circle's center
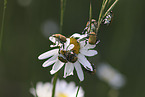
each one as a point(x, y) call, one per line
point(108, 18)
point(63, 89)
point(72, 51)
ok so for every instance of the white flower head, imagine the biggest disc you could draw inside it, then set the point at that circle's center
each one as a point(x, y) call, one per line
point(110, 75)
point(63, 89)
point(70, 53)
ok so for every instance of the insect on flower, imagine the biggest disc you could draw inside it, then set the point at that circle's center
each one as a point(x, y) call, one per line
point(71, 54)
point(60, 37)
point(58, 40)
point(62, 57)
point(71, 57)
point(66, 56)
point(92, 38)
point(90, 27)
point(93, 23)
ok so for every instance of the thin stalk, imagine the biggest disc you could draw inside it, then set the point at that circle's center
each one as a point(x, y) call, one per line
point(54, 84)
point(2, 27)
point(61, 16)
point(78, 90)
point(101, 12)
point(62, 5)
point(100, 15)
point(90, 16)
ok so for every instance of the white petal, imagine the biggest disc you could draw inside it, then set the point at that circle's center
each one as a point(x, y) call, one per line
point(48, 54)
point(79, 70)
point(50, 61)
point(33, 91)
point(89, 46)
point(56, 66)
point(71, 46)
point(82, 44)
point(88, 52)
point(76, 35)
point(69, 67)
point(67, 43)
point(53, 39)
point(54, 45)
point(82, 59)
point(97, 41)
point(83, 36)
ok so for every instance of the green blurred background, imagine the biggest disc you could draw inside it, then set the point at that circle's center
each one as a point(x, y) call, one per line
point(29, 23)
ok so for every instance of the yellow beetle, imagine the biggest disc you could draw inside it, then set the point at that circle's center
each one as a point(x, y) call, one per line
point(60, 37)
point(92, 38)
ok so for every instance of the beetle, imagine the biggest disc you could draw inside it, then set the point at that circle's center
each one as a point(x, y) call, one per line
point(60, 37)
point(92, 38)
point(62, 57)
point(65, 56)
point(71, 56)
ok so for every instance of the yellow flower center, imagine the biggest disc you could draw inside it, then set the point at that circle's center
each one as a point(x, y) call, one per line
point(76, 45)
point(62, 95)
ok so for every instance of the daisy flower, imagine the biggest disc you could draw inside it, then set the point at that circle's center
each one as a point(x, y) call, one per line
point(63, 89)
point(110, 75)
point(70, 53)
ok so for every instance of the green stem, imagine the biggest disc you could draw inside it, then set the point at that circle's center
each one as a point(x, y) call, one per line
point(63, 4)
point(2, 27)
point(78, 89)
point(100, 15)
point(61, 16)
point(54, 84)
point(90, 16)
